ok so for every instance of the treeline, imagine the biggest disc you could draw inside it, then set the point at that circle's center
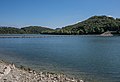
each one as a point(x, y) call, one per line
point(93, 25)
point(10, 30)
point(24, 30)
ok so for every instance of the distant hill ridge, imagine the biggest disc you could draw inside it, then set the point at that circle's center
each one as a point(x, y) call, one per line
point(93, 25)
point(24, 30)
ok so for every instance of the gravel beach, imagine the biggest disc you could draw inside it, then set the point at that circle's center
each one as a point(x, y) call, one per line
point(11, 73)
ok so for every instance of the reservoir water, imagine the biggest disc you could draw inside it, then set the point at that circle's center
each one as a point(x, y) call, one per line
point(92, 58)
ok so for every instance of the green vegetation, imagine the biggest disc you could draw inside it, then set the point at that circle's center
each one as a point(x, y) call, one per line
point(35, 30)
point(25, 30)
point(10, 30)
point(93, 25)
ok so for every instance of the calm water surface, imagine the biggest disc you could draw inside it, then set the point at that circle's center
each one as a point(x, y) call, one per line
point(93, 58)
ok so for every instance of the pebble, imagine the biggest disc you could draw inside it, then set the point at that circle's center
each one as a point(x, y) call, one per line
point(10, 73)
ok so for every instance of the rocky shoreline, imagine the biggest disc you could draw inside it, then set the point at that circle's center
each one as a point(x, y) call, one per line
point(108, 33)
point(11, 73)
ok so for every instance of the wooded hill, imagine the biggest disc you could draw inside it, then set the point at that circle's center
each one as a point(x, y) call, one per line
point(93, 25)
point(24, 30)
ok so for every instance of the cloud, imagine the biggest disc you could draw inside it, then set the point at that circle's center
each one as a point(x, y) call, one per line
point(109, 16)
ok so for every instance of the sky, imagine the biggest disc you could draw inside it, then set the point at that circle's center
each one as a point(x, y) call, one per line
point(54, 13)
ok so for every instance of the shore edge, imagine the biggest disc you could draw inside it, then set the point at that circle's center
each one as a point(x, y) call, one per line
point(10, 73)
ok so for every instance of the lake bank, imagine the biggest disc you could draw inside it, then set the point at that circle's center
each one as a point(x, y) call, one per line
point(45, 36)
point(9, 72)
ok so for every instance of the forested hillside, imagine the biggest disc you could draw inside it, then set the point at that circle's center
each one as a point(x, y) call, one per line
point(93, 25)
point(24, 30)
